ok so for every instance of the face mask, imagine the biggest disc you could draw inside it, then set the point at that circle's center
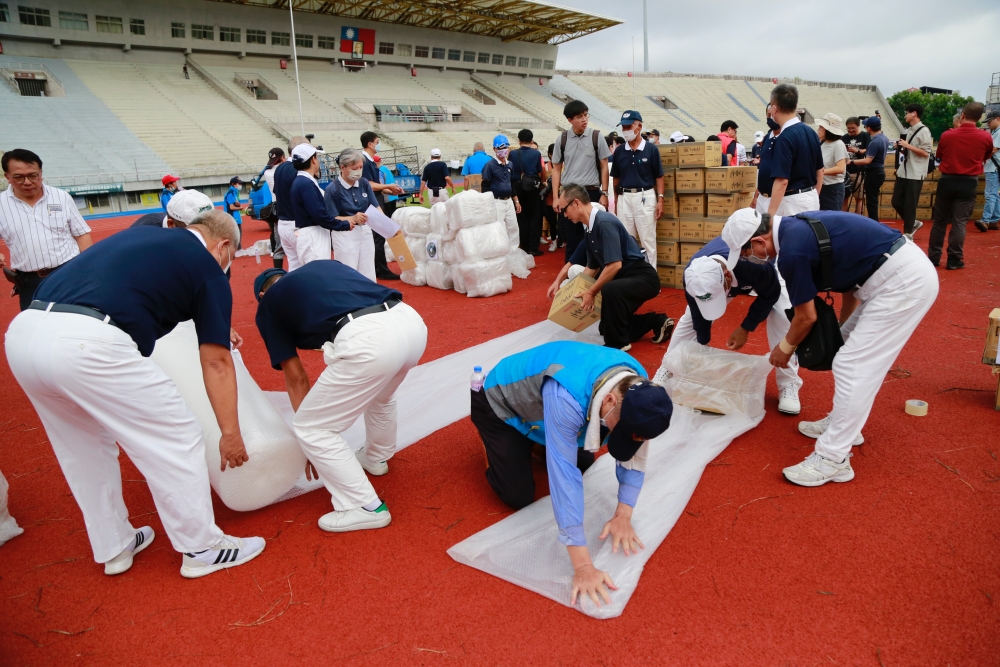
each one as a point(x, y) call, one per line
point(378, 146)
point(604, 424)
point(503, 153)
point(773, 124)
point(754, 258)
point(230, 263)
point(354, 174)
point(628, 135)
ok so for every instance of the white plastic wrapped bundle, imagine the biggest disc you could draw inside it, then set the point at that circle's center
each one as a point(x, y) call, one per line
point(415, 220)
point(389, 257)
point(417, 248)
point(712, 380)
point(482, 242)
point(457, 278)
point(416, 277)
point(470, 209)
point(486, 277)
point(450, 252)
point(506, 214)
point(439, 219)
point(8, 527)
point(519, 261)
point(438, 275)
point(276, 461)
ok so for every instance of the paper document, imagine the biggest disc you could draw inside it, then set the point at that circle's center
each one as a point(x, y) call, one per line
point(380, 222)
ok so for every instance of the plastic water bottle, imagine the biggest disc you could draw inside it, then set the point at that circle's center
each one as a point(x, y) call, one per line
point(478, 378)
point(256, 252)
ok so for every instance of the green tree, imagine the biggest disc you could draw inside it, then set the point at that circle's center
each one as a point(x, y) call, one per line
point(938, 108)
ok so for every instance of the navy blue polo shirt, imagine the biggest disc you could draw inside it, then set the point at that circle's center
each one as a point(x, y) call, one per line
point(637, 168)
point(149, 220)
point(607, 242)
point(435, 172)
point(877, 149)
point(148, 280)
point(750, 277)
point(299, 311)
point(525, 160)
point(308, 207)
point(857, 241)
point(764, 179)
point(284, 176)
point(797, 157)
point(496, 179)
point(348, 201)
point(370, 172)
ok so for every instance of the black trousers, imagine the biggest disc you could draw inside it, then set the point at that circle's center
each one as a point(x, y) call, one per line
point(26, 287)
point(831, 197)
point(621, 297)
point(529, 220)
point(508, 452)
point(874, 178)
point(572, 233)
point(905, 195)
point(549, 214)
point(956, 196)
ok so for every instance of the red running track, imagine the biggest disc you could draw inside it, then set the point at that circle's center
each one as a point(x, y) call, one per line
point(898, 567)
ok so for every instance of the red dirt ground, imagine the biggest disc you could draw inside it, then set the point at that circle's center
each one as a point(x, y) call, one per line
point(898, 567)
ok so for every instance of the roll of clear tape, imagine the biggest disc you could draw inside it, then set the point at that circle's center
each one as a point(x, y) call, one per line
point(916, 408)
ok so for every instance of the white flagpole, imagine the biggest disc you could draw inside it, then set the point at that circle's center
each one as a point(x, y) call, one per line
point(295, 59)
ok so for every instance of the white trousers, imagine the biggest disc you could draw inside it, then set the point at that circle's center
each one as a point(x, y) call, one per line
point(91, 388)
point(355, 249)
point(364, 366)
point(286, 232)
point(442, 195)
point(637, 211)
point(791, 204)
point(506, 212)
point(312, 244)
point(893, 302)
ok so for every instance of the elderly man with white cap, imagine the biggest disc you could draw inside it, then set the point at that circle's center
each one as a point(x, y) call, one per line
point(182, 209)
point(722, 270)
point(436, 178)
point(313, 223)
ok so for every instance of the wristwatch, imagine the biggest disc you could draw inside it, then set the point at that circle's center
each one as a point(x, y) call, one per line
point(659, 196)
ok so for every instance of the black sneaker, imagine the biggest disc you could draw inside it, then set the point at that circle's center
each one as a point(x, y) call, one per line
point(389, 275)
point(663, 330)
point(953, 267)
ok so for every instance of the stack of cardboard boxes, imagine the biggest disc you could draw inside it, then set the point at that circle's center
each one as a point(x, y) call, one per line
point(699, 196)
point(925, 205)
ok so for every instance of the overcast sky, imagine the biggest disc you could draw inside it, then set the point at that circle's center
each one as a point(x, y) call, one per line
point(890, 43)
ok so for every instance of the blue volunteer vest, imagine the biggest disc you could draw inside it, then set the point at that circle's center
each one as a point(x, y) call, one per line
point(514, 386)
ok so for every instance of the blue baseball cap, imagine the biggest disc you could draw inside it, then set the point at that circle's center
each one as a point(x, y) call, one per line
point(258, 282)
point(630, 117)
point(501, 141)
point(873, 122)
point(645, 414)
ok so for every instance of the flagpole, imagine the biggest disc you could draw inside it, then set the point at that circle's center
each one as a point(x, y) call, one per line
point(295, 59)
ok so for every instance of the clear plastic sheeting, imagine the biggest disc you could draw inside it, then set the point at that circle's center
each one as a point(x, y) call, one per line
point(487, 277)
point(275, 459)
point(8, 526)
point(436, 394)
point(415, 221)
point(470, 209)
point(457, 279)
point(416, 277)
point(518, 262)
point(439, 221)
point(417, 245)
point(438, 275)
point(482, 242)
point(713, 380)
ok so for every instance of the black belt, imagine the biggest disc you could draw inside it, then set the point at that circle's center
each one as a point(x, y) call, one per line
point(635, 190)
point(40, 273)
point(789, 193)
point(74, 309)
point(503, 198)
point(882, 259)
point(370, 310)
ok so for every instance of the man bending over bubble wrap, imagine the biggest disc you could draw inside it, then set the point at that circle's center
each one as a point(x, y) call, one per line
point(570, 397)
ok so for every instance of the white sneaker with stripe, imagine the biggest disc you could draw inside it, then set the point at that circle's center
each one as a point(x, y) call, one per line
point(817, 428)
point(123, 561)
point(230, 552)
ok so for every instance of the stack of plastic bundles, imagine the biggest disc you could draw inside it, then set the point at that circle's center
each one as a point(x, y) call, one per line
point(481, 245)
point(415, 221)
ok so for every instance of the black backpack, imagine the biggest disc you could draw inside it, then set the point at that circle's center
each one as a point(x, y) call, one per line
point(824, 340)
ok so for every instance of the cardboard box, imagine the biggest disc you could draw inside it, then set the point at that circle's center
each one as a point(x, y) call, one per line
point(401, 252)
point(924, 213)
point(692, 205)
point(688, 250)
point(567, 309)
point(929, 186)
point(699, 154)
point(667, 230)
point(668, 180)
point(692, 230)
point(924, 200)
point(690, 180)
point(474, 182)
point(887, 213)
point(668, 275)
point(992, 336)
point(668, 155)
point(996, 405)
point(669, 205)
point(668, 253)
point(726, 205)
point(713, 230)
point(723, 180)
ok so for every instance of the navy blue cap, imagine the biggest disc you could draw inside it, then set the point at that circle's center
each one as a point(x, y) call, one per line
point(234, 180)
point(630, 117)
point(645, 414)
point(258, 282)
point(873, 122)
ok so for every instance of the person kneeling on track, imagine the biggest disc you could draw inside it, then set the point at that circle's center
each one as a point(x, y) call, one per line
point(626, 279)
point(81, 354)
point(888, 285)
point(370, 340)
point(569, 397)
point(720, 271)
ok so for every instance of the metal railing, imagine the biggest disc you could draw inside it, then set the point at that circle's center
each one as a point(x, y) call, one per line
point(326, 120)
point(145, 176)
point(519, 103)
point(235, 99)
point(7, 73)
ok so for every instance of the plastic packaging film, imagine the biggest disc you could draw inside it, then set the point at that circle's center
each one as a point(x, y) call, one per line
point(482, 242)
point(457, 278)
point(438, 275)
point(470, 209)
point(523, 548)
point(518, 263)
point(415, 221)
point(417, 245)
point(416, 277)
point(486, 277)
point(439, 219)
point(713, 380)
point(275, 459)
point(8, 526)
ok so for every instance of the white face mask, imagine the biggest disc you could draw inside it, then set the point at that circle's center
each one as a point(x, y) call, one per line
point(354, 174)
point(228, 264)
point(628, 135)
point(378, 146)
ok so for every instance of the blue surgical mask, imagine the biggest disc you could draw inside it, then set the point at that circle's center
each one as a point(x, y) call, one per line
point(378, 146)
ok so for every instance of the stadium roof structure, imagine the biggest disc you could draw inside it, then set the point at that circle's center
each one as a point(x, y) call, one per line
point(508, 20)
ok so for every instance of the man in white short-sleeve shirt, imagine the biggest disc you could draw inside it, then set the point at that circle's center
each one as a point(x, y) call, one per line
point(40, 225)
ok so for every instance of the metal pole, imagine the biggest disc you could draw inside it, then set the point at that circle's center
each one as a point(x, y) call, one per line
point(295, 59)
point(633, 72)
point(645, 39)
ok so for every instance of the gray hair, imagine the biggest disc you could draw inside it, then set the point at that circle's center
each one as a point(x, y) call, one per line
point(295, 141)
point(349, 156)
point(573, 192)
point(478, 146)
point(220, 225)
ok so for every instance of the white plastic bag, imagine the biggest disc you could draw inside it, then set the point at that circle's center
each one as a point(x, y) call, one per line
point(438, 275)
point(414, 220)
point(470, 209)
point(458, 279)
point(713, 380)
point(416, 277)
point(276, 461)
point(450, 252)
point(8, 527)
point(439, 219)
point(482, 242)
point(417, 245)
point(506, 214)
point(518, 261)
point(486, 277)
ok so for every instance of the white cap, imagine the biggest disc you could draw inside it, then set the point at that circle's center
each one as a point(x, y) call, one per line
point(737, 232)
point(706, 282)
point(758, 136)
point(304, 152)
point(435, 152)
point(187, 205)
point(677, 137)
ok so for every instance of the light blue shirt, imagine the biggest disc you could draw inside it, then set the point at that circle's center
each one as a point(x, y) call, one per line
point(232, 199)
point(386, 178)
point(474, 163)
point(988, 166)
point(564, 419)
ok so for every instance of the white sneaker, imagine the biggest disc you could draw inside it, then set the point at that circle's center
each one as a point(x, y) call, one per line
point(376, 468)
point(816, 429)
point(553, 247)
point(230, 552)
point(817, 470)
point(628, 346)
point(356, 519)
point(788, 400)
point(123, 561)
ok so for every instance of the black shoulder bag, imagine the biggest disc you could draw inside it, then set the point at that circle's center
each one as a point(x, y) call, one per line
point(821, 344)
point(529, 182)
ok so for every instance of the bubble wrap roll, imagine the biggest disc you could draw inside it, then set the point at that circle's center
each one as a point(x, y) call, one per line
point(482, 242)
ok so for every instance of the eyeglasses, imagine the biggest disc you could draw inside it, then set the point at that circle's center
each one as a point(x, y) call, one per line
point(24, 178)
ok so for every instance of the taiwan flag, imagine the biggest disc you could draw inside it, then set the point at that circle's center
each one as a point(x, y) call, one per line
point(364, 39)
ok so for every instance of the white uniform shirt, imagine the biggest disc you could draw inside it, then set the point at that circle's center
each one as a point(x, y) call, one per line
point(40, 236)
point(269, 179)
